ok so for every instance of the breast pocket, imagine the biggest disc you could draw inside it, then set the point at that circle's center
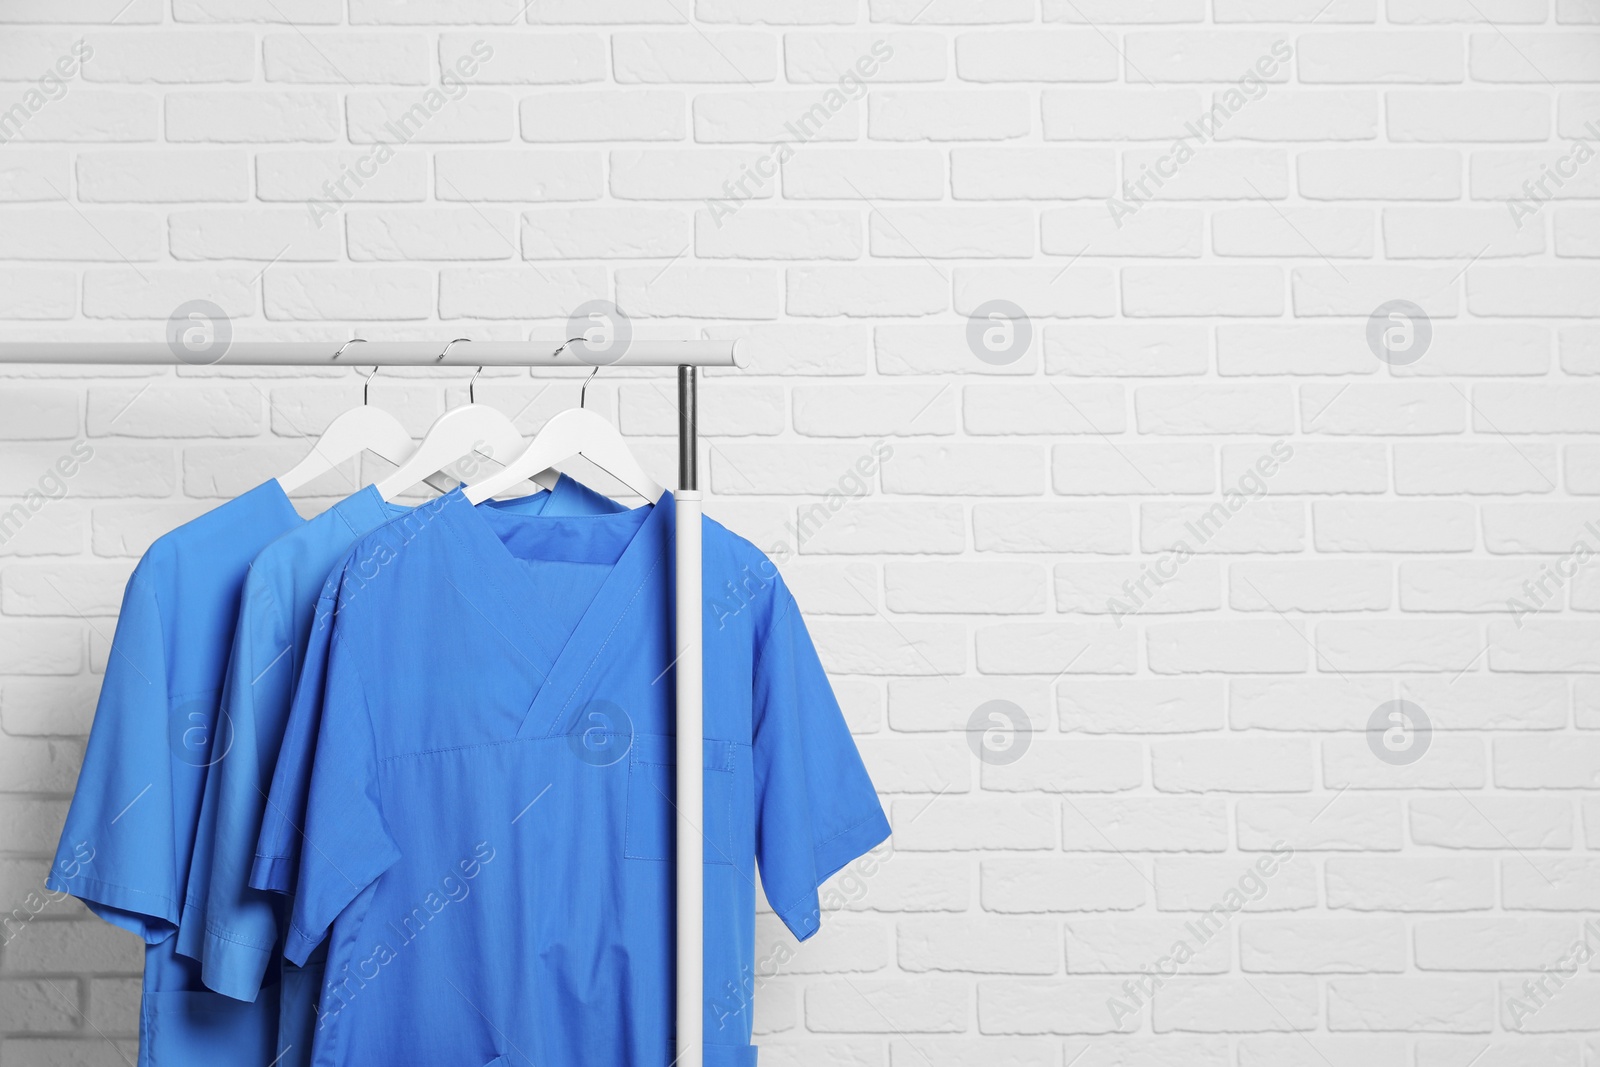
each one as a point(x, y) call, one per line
point(652, 795)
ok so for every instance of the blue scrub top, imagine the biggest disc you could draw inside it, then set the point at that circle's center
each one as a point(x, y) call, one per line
point(486, 790)
point(130, 832)
point(236, 931)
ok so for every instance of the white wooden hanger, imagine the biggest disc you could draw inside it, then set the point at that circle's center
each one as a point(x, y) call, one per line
point(362, 429)
point(574, 432)
point(473, 427)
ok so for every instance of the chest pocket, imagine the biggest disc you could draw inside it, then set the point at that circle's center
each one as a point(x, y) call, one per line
point(652, 785)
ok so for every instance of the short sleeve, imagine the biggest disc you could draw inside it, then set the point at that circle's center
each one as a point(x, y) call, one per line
point(277, 855)
point(816, 809)
point(118, 847)
point(234, 731)
point(346, 844)
point(241, 929)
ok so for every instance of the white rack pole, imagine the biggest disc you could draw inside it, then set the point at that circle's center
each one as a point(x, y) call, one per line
point(690, 759)
point(555, 352)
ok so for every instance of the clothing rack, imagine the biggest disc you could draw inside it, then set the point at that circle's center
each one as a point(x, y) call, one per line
point(561, 352)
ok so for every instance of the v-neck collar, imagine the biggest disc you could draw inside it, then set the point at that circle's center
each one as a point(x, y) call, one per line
point(642, 536)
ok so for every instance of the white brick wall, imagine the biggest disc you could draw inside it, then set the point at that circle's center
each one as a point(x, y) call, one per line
point(1052, 532)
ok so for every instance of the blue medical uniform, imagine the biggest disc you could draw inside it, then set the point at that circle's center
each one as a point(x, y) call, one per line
point(236, 931)
point(488, 817)
point(130, 832)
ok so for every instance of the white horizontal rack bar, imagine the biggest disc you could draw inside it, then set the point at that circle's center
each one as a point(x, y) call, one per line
point(557, 352)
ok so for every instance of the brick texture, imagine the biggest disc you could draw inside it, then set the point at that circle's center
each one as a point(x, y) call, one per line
point(1119, 595)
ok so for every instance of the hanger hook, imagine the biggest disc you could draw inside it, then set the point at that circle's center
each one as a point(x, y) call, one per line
point(446, 351)
point(366, 385)
point(472, 393)
point(347, 344)
point(583, 393)
point(564, 345)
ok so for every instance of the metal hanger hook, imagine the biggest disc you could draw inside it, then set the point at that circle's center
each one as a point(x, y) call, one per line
point(583, 393)
point(472, 392)
point(347, 344)
point(366, 385)
point(446, 351)
point(565, 343)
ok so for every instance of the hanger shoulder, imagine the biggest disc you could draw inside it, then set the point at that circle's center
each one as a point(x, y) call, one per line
point(457, 433)
point(362, 429)
point(372, 430)
point(574, 432)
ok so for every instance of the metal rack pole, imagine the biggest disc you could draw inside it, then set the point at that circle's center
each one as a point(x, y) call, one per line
point(690, 806)
point(555, 352)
